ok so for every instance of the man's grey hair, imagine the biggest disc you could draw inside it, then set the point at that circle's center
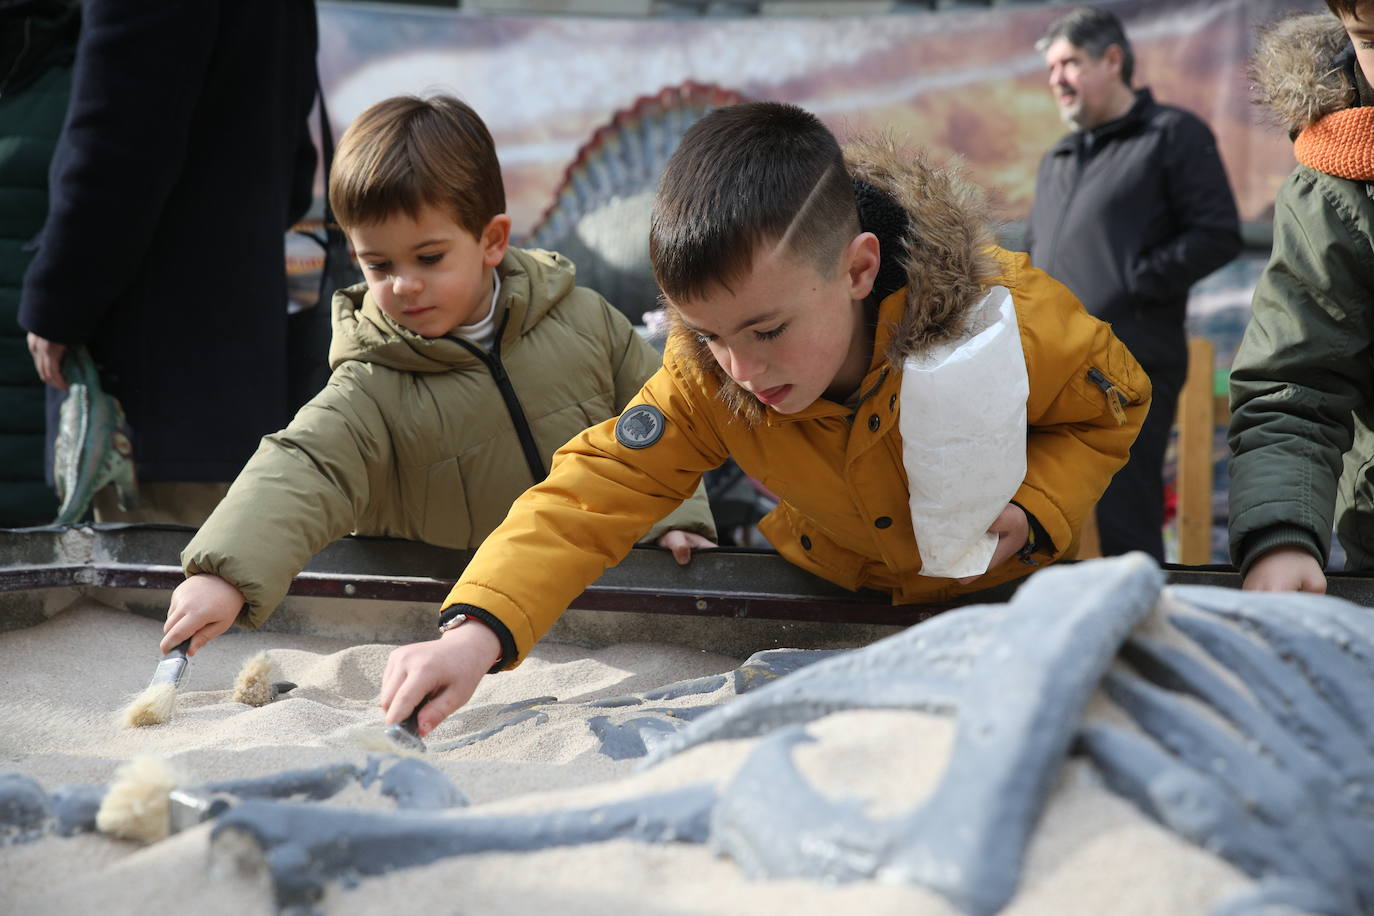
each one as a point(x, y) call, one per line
point(1094, 31)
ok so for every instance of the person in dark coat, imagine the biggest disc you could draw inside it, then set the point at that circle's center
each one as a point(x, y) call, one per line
point(37, 46)
point(1130, 210)
point(184, 158)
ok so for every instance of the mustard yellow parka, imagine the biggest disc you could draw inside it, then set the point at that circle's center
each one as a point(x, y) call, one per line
point(837, 470)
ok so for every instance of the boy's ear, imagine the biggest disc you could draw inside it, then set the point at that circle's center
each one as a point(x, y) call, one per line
point(861, 259)
point(495, 239)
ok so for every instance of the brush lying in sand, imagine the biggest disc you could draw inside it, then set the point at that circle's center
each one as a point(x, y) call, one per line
point(136, 806)
point(157, 702)
point(254, 685)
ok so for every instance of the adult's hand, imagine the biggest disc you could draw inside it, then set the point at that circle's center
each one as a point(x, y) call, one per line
point(47, 359)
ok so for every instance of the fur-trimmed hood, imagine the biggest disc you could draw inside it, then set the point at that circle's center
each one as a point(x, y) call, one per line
point(947, 250)
point(1296, 71)
point(946, 255)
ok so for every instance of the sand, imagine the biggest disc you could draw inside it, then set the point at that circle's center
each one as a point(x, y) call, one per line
point(67, 679)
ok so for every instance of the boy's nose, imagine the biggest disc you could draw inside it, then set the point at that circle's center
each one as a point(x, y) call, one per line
point(403, 285)
point(743, 367)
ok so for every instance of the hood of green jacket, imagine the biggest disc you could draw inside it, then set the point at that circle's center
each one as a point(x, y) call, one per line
point(532, 282)
point(1300, 72)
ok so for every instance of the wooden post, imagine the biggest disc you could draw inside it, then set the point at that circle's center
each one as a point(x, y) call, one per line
point(1196, 428)
point(1089, 543)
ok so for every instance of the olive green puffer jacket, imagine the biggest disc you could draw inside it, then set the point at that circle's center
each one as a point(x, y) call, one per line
point(413, 437)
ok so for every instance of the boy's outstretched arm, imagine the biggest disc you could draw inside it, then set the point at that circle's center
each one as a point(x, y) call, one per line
point(690, 526)
point(598, 500)
point(304, 487)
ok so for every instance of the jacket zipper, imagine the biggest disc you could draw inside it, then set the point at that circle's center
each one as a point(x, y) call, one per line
point(494, 365)
point(1115, 399)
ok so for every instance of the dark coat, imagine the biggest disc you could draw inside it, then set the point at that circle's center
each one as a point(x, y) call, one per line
point(1128, 216)
point(184, 158)
point(37, 45)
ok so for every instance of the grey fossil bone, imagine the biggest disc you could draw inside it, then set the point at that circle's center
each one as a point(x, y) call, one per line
point(24, 808)
point(1018, 676)
point(1200, 809)
point(306, 846)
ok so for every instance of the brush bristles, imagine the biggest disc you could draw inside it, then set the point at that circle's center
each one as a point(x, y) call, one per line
point(253, 686)
point(371, 738)
point(153, 706)
point(136, 805)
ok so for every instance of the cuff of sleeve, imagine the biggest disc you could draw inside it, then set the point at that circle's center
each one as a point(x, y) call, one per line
point(1261, 542)
point(261, 599)
point(1040, 540)
point(508, 650)
point(1053, 531)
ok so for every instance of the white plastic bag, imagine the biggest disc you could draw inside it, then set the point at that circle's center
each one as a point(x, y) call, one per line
point(963, 424)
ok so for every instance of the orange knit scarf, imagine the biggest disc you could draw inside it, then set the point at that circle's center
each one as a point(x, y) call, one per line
point(1340, 144)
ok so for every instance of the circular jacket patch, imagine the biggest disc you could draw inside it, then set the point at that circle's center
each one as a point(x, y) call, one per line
point(640, 426)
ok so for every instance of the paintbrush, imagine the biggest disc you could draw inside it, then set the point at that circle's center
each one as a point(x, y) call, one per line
point(158, 700)
point(406, 734)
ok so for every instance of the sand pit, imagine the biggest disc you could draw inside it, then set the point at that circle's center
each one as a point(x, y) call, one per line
point(68, 678)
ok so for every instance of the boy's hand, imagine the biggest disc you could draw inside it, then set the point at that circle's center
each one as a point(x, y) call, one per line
point(1286, 569)
point(682, 543)
point(1012, 530)
point(202, 607)
point(441, 673)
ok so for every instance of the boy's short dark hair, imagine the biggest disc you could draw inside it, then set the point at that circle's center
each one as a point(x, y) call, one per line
point(745, 176)
point(404, 153)
point(1343, 8)
point(1094, 31)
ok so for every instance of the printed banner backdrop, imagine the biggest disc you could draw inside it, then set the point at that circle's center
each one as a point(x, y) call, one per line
point(960, 82)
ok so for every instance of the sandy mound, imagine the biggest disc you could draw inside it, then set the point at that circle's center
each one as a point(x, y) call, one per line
point(68, 679)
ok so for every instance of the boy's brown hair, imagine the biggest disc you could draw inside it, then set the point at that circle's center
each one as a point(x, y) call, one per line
point(404, 153)
point(1347, 7)
point(744, 176)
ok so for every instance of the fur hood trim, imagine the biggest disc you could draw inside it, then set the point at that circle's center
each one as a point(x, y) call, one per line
point(947, 252)
point(1294, 71)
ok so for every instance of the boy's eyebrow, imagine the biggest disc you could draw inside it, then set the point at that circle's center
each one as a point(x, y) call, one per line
point(766, 316)
point(416, 247)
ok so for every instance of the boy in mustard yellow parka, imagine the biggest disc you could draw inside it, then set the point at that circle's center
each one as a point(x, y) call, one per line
point(802, 282)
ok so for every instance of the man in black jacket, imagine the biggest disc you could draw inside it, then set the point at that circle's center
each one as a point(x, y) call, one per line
point(1130, 210)
point(184, 158)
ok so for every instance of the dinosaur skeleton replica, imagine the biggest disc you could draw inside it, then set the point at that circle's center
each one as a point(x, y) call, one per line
point(1247, 730)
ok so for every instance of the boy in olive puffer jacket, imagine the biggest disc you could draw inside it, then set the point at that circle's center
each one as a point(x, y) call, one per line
point(459, 367)
point(1302, 386)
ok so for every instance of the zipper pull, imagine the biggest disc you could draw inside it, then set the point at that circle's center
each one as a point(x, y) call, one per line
point(1115, 400)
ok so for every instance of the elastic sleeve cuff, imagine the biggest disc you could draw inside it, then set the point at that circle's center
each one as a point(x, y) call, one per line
point(1043, 543)
point(508, 650)
point(1261, 542)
